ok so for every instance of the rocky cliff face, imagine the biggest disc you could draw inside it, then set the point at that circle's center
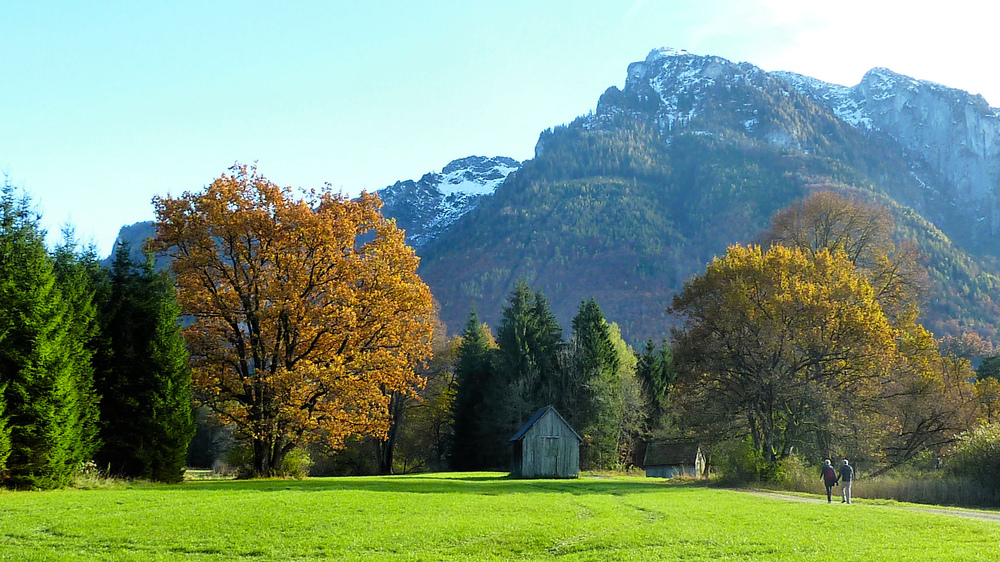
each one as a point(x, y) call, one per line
point(949, 139)
point(951, 132)
point(683, 93)
point(429, 206)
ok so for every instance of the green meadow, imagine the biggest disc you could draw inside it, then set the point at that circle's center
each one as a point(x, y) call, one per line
point(474, 516)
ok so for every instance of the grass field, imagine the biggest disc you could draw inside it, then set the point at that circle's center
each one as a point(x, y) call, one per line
point(469, 516)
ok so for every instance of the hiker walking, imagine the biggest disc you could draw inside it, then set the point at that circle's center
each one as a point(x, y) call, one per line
point(846, 478)
point(829, 479)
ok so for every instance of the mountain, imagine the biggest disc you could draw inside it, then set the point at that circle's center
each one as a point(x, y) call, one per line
point(949, 131)
point(135, 235)
point(424, 208)
point(429, 206)
point(693, 154)
point(696, 153)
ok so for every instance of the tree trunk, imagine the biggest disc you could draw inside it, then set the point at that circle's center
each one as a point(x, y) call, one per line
point(385, 448)
point(261, 458)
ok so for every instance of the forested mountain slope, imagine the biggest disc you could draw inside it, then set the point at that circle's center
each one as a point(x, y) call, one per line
point(694, 154)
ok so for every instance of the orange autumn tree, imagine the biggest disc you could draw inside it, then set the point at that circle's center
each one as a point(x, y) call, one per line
point(306, 313)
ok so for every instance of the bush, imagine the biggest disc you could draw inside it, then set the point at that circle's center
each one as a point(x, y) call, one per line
point(296, 465)
point(738, 462)
point(88, 476)
point(976, 456)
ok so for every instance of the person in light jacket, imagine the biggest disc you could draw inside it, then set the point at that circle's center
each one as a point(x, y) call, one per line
point(846, 478)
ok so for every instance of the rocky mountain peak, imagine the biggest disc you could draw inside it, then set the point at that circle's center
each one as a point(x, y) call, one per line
point(949, 131)
point(669, 84)
point(429, 206)
point(678, 93)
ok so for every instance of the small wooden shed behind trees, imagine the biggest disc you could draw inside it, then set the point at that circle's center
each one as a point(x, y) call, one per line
point(679, 457)
point(546, 447)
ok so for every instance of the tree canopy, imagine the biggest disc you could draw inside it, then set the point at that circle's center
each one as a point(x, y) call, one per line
point(306, 313)
point(775, 337)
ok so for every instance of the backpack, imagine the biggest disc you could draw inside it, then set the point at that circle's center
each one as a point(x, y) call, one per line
point(830, 474)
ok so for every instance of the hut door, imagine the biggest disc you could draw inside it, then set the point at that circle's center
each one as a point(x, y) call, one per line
point(552, 445)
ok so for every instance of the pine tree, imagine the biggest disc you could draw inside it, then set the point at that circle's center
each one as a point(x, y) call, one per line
point(472, 372)
point(40, 390)
point(143, 376)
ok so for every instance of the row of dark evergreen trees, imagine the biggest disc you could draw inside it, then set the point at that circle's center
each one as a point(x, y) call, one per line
point(93, 368)
point(612, 396)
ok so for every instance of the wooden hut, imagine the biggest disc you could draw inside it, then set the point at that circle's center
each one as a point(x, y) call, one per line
point(667, 459)
point(546, 447)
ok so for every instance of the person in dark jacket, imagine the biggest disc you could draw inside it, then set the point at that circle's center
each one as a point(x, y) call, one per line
point(846, 479)
point(829, 479)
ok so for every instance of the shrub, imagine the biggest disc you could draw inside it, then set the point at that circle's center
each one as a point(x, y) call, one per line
point(976, 456)
point(88, 476)
point(738, 462)
point(296, 463)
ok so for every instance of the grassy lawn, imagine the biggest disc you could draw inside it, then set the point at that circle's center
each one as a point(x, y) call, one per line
point(469, 516)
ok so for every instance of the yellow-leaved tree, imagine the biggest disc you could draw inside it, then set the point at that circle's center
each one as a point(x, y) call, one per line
point(774, 342)
point(306, 314)
point(926, 399)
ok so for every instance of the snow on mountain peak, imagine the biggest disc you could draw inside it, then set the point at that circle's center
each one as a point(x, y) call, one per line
point(664, 52)
point(429, 206)
point(669, 84)
point(475, 175)
point(843, 101)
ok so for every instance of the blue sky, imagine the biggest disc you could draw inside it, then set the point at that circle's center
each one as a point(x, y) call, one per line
point(105, 104)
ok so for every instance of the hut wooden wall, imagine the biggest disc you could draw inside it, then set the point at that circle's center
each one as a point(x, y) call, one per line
point(549, 449)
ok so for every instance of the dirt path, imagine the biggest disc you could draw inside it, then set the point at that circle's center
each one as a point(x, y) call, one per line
point(987, 515)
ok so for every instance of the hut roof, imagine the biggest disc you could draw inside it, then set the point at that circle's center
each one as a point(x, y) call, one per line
point(537, 416)
point(671, 453)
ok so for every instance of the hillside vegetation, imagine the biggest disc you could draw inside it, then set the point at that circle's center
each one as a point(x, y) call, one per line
point(626, 215)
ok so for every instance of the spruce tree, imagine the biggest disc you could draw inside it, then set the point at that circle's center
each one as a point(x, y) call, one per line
point(6, 325)
point(39, 384)
point(472, 373)
point(143, 376)
point(656, 373)
point(526, 370)
point(78, 275)
point(596, 362)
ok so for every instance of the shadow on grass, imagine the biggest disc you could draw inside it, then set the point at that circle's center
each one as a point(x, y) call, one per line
point(490, 484)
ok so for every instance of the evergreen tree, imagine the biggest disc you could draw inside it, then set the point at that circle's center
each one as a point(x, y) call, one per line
point(472, 372)
point(6, 325)
point(656, 374)
point(42, 397)
point(78, 275)
point(526, 369)
point(596, 364)
point(143, 376)
point(989, 367)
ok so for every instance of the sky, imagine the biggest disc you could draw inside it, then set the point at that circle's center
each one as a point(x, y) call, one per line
point(104, 105)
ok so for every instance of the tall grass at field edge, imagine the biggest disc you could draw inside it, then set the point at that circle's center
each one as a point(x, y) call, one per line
point(923, 487)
